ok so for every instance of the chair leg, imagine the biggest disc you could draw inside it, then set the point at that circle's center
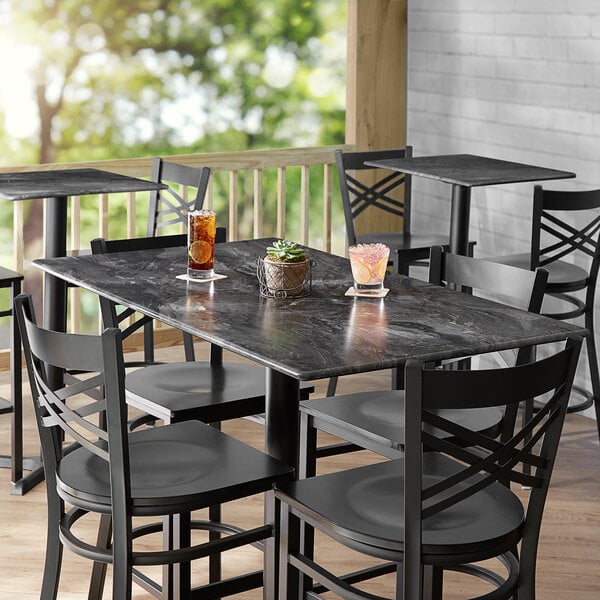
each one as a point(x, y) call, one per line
point(54, 551)
point(214, 561)
point(99, 569)
point(289, 543)
point(122, 569)
point(214, 514)
point(593, 366)
point(332, 386)
point(307, 468)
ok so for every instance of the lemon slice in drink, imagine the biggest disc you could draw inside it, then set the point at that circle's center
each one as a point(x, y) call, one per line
point(360, 272)
point(381, 268)
point(199, 251)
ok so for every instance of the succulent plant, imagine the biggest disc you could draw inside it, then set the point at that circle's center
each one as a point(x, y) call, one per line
point(286, 252)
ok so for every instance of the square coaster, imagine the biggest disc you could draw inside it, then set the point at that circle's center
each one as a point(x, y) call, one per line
point(351, 291)
point(186, 277)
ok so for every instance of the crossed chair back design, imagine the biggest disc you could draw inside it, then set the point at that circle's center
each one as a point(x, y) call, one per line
point(566, 234)
point(156, 472)
point(447, 503)
point(169, 207)
point(373, 420)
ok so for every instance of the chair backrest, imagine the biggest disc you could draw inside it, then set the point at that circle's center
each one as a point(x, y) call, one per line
point(553, 238)
point(169, 207)
point(523, 288)
point(509, 285)
point(380, 192)
point(473, 461)
point(76, 411)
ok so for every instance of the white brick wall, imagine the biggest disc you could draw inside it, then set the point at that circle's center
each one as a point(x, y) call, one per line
point(516, 80)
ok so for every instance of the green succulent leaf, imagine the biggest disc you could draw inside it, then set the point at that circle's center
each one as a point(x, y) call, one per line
point(286, 251)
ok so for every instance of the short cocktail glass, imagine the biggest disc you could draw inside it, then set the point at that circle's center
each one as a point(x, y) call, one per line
point(369, 264)
point(202, 227)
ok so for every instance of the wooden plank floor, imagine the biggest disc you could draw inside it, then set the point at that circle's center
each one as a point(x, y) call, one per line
point(569, 554)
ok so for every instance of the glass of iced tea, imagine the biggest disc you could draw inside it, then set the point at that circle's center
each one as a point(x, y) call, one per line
point(202, 227)
point(369, 264)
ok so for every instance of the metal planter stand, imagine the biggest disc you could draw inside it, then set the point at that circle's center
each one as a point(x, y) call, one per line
point(284, 280)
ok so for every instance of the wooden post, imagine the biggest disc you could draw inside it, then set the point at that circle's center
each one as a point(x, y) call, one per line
point(376, 74)
point(376, 87)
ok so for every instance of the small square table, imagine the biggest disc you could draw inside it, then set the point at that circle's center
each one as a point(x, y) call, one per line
point(465, 171)
point(56, 186)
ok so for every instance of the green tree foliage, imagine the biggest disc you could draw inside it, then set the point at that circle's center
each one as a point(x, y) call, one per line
point(118, 78)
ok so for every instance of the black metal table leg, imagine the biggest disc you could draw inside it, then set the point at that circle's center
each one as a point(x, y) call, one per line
point(55, 293)
point(282, 431)
point(16, 462)
point(459, 219)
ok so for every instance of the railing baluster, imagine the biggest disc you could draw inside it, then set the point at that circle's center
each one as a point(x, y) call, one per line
point(233, 205)
point(304, 203)
point(327, 184)
point(258, 204)
point(281, 199)
point(131, 210)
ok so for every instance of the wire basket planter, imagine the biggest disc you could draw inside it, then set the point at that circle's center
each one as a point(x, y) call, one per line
point(284, 280)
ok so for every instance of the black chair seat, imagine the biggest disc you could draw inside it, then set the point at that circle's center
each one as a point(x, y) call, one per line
point(562, 276)
point(404, 241)
point(375, 420)
point(173, 469)
point(364, 505)
point(198, 390)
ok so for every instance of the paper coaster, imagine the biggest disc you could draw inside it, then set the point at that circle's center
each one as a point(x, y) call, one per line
point(186, 277)
point(367, 293)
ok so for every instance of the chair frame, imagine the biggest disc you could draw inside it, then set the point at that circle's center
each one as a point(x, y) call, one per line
point(108, 440)
point(478, 462)
point(562, 239)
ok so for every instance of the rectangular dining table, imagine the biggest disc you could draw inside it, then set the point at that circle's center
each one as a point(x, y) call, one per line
point(321, 335)
point(465, 171)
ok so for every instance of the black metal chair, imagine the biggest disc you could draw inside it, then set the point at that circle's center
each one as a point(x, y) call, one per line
point(365, 189)
point(565, 235)
point(165, 472)
point(447, 504)
point(374, 420)
point(15, 461)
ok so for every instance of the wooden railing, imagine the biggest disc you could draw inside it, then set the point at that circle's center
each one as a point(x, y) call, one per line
point(251, 206)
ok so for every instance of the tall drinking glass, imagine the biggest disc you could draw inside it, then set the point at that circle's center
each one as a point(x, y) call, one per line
point(202, 227)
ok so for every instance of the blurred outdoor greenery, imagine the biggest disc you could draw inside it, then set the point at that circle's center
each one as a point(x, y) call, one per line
point(103, 80)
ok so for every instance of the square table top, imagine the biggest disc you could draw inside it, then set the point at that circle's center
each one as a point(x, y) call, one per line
point(469, 170)
point(25, 185)
point(318, 336)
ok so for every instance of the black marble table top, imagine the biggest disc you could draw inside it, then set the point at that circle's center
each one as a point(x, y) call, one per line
point(470, 170)
point(322, 335)
point(27, 185)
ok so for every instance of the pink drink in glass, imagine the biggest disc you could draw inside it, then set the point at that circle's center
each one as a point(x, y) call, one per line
point(369, 264)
